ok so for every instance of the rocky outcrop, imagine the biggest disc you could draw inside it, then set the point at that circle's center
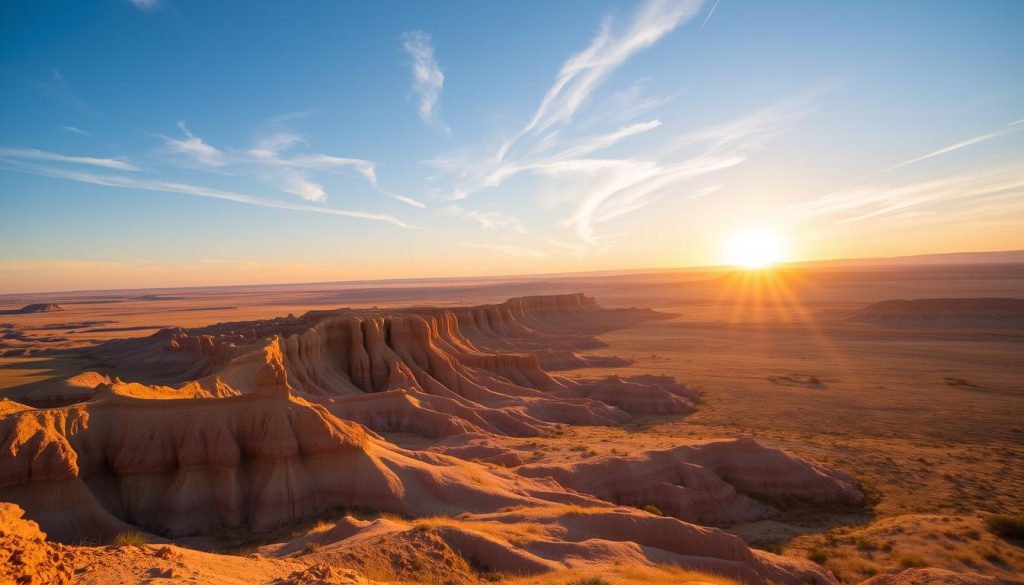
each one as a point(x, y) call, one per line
point(719, 483)
point(26, 558)
point(434, 372)
point(539, 539)
point(207, 465)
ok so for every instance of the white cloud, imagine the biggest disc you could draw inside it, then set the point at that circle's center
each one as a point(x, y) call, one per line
point(34, 154)
point(872, 201)
point(146, 4)
point(324, 162)
point(427, 77)
point(193, 147)
point(75, 130)
point(710, 13)
point(586, 70)
point(599, 190)
point(199, 191)
point(297, 184)
point(595, 143)
point(546, 146)
point(628, 104)
point(486, 219)
point(273, 145)
point(952, 148)
point(273, 159)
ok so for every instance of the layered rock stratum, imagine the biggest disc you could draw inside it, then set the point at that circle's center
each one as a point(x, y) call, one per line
point(243, 430)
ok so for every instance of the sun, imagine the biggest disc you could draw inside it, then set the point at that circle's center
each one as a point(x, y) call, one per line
point(755, 249)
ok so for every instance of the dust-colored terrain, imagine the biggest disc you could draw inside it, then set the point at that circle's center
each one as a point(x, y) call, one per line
point(544, 439)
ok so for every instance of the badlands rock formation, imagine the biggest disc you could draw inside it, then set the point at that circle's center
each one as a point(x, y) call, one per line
point(722, 482)
point(434, 372)
point(237, 430)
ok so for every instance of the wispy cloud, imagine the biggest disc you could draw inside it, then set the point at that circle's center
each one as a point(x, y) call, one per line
point(427, 77)
point(492, 175)
point(274, 159)
point(1011, 127)
point(199, 191)
point(609, 49)
point(548, 145)
point(486, 219)
point(862, 202)
point(194, 148)
point(297, 184)
point(604, 189)
point(34, 154)
point(578, 171)
point(75, 130)
point(710, 13)
point(629, 104)
point(275, 144)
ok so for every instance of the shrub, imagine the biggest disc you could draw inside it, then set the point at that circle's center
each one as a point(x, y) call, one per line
point(910, 560)
point(865, 545)
point(311, 547)
point(818, 555)
point(993, 556)
point(1006, 526)
point(131, 539)
point(590, 581)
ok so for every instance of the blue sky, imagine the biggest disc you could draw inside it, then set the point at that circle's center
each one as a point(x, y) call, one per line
point(164, 142)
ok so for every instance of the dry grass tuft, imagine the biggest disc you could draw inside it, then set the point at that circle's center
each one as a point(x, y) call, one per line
point(130, 539)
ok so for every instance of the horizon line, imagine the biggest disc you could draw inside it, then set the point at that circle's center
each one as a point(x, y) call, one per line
point(542, 275)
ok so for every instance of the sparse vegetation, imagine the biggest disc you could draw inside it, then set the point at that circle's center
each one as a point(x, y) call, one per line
point(134, 538)
point(865, 545)
point(311, 547)
point(1011, 527)
point(590, 581)
point(911, 560)
point(817, 554)
point(993, 556)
